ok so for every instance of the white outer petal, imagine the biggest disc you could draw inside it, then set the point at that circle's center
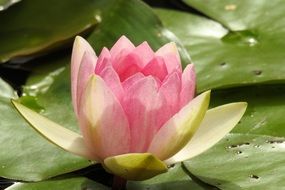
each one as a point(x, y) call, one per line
point(216, 124)
point(60, 136)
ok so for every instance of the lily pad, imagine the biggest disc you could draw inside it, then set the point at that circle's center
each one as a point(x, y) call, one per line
point(240, 39)
point(6, 91)
point(24, 155)
point(175, 178)
point(252, 155)
point(60, 184)
point(33, 27)
point(243, 161)
point(5, 4)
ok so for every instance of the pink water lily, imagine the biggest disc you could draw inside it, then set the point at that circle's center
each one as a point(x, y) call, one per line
point(127, 94)
point(136, 110)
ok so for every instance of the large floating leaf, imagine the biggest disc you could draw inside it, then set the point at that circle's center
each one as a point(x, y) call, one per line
point(33, 26)
point(245, 48)
point(24, 154)
point(175, 178)
point(252, 162)
point(6, 91)
point(4, 4)
point(253, 155)
point(61, 184)
point(238, 15)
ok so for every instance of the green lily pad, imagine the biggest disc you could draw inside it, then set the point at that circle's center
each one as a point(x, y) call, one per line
point(5, 4)
point(175, 178)
point(33, 27)
point(238, 15)
point(60, 184)
point(6, 91)
point(24, 155)
point(243, 161)
point(245, 43)
point(252, 156)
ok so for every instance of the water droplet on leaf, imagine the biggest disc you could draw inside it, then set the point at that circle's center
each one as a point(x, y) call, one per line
point(239, 145)
point(239, 152)
point(257, 72)
point(230, 7)
point(254, 176)
point(170, 166)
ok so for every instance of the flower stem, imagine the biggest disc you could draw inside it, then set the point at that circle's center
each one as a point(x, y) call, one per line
point(119, 183)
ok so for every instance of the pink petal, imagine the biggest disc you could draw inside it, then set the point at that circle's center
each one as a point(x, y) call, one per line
point(145, 53)
point(188, 85)
point(132, 80)
point(170, 56)
point(122, 44)
point(170, 89)
point(156, 67)
point(86, 70)
point(127, 66)
point(142, 105)
point(112, 80)
point(103, 60)
point(103, 122)
point(80, 46)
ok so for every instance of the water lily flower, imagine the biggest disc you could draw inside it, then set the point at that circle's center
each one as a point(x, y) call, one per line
point(136, 110)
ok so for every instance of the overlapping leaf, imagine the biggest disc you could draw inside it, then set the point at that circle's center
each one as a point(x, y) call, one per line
point(243, 48)
point(175, 178)
point(33, 26)
point(243, 161)
point(60, 184)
